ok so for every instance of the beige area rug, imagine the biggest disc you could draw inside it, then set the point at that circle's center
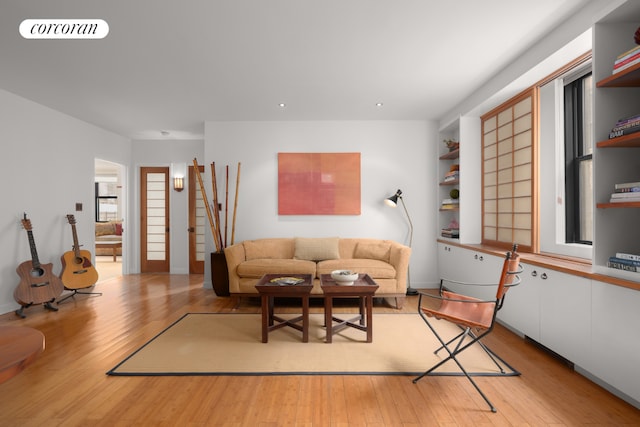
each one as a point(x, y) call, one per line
point(230, 344)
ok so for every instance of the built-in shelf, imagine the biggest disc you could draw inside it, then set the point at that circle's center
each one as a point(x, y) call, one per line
point(631, 140)
point(618, 205)
point(449, 209)
point(451, 155)
point(454, 182)
point(626, 78)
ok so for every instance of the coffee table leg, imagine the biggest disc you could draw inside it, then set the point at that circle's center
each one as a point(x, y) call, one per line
point(369, 300)
point(305, 318)
point(328, 318)
point(265, 318)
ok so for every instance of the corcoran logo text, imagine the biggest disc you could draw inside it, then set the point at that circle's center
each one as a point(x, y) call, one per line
point(64, 29)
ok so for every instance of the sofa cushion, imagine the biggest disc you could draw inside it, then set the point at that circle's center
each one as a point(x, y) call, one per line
point(375, 268)
point(105, 228)
point(316, 249)
point(256, 268)
point(379, 251)
point(268, 249)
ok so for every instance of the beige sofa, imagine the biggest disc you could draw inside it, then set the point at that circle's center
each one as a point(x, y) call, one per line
point(386, 261)
point(110, 231)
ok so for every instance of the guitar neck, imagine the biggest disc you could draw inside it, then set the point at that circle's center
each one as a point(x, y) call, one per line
point(34, 253)
point(76, 246)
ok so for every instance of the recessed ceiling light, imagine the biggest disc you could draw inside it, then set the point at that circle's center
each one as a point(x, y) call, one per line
point(379, 104)
point(282, 105)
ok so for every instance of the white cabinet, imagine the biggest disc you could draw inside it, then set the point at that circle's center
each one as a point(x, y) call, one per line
point(521, 309)
point(615, 350)
point(565, 314)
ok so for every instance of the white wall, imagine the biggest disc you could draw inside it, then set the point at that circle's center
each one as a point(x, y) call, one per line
point(175, 155)
point(394, 155)
point(47, 164)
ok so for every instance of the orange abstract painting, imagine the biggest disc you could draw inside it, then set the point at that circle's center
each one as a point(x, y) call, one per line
point(319, 183)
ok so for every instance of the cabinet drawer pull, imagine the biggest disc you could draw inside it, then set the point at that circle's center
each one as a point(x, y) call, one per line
point(534, 273)
point(543, 276)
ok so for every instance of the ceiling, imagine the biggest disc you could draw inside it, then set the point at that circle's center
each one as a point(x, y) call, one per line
point(171, 66)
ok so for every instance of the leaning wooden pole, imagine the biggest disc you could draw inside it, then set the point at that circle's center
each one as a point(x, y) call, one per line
point(226, 204)
point(216, 202)
point(207, 207)
point(235, 206)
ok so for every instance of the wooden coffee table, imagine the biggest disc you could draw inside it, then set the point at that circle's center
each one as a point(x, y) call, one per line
point(113, 245)
point(268, 290)
point(364, 288)
point(19, 347)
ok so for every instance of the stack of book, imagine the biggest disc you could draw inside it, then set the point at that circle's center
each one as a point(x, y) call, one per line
point(626, 192)
point(452, 233)
point(627, 59)
point(452, 176)
point(626, 126)
point(624, 261)
point(453, 203)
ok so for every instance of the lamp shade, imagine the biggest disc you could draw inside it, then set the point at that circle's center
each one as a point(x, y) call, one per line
point(393, 200)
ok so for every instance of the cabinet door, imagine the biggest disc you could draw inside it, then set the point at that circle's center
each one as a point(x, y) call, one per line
point(565, 314)
point(615, 337)
point(521, 309)
point(469, 266)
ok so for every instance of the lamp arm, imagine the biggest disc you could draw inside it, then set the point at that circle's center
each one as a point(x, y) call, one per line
point(410, 223)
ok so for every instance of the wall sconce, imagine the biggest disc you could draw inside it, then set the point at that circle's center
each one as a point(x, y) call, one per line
point(178, 183)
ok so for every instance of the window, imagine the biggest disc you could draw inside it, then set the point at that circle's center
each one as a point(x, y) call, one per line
point(578, 141)
point(106, 200)
point(508, 171)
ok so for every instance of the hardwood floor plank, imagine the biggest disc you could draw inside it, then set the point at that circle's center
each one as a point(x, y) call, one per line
point(67, 385)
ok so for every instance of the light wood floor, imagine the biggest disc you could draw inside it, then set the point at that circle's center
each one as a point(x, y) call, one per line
point(67, 385)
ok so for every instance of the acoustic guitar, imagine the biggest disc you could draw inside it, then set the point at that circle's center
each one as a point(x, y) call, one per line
point(77, 270)
point(38, 284)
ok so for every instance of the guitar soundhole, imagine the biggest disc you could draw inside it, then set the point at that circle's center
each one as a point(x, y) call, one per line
point(37, 272)
point(78, 260)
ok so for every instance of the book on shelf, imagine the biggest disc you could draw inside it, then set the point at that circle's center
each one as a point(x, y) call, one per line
point(622, 185)
point(624, 261)
point(450, 201)
point(627, 190)
point(626, 130)
point(624, 255)
point(621, 266)
point(627, 65)
point(624, 61)
point(449, 206)
point(626, 195)
point(628, 53)
point(626, 120)
point(635, 198)
point(450, 232)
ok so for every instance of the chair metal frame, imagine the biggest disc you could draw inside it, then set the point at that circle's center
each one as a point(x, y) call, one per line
point(463, 310)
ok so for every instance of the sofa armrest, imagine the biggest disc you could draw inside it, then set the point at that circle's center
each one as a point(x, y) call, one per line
point(235, 255)
point(399, 257)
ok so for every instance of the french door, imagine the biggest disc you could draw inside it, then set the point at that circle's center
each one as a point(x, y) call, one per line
point(154, 222)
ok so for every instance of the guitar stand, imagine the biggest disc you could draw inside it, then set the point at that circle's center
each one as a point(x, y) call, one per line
point(75, 291)
point(20, 312)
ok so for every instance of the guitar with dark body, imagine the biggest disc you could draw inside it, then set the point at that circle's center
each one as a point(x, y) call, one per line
point(38, 284)
point(77, 270)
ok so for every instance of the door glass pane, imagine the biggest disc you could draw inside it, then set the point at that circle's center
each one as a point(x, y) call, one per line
point(156, 220)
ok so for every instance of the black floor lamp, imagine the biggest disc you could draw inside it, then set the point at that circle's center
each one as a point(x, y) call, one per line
point(393, 202)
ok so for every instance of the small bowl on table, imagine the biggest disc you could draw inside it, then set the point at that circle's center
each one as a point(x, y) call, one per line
point(344, 277)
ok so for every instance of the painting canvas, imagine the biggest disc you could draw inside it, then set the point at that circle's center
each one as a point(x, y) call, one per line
point(319, 183)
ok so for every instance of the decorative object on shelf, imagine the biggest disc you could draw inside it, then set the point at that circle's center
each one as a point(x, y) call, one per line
point(636, 36)
point(344, 277)
point(451, 144)
point(393, 202)
point(454, 194)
